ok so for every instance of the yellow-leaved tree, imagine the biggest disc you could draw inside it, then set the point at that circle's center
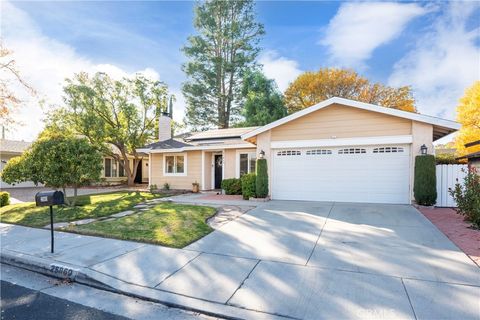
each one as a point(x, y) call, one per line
point(468, 114)
point(313, 87)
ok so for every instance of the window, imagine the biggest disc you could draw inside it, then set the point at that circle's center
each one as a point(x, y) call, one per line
point(289, 153)
point(175, 165)
point(388, 150)
point(108, 168)
point(248, 163)
point(352, 151)
point(318, 152)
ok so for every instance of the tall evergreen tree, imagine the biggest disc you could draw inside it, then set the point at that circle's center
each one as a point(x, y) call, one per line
point(225, 46)
point(263, 103)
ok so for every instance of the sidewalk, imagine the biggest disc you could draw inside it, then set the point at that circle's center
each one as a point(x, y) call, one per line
point(150, 272)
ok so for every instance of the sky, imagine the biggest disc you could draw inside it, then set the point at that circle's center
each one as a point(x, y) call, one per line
point(434, 47)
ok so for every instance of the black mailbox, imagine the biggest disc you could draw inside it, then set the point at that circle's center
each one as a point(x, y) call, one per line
point(49, 198)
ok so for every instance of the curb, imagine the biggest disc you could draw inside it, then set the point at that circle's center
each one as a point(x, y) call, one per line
point(102, 281)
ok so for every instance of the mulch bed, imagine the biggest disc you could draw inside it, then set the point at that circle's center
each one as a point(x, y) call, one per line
point(456, 229)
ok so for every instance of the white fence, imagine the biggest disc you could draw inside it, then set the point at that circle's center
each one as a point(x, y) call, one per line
point(447, 175)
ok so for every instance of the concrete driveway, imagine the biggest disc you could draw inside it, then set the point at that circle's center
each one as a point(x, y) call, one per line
point(339, 260)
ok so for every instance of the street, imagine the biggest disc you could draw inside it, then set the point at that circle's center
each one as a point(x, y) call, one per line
point(28, 295)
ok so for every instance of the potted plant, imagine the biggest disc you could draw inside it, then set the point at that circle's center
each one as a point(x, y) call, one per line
point(195, 187)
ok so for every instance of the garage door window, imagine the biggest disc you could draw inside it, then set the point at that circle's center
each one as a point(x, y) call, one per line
point(352, 151)
point(388, 150)
point(318, 152)
point(288, 153)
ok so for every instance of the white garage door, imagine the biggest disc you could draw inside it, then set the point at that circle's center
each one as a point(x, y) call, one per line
point(379, 174)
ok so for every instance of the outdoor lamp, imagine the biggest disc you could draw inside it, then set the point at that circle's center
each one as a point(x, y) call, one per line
point(262, 154)
point(423, 149)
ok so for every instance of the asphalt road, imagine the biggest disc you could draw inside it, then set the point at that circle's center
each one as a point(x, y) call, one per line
point(20, 303)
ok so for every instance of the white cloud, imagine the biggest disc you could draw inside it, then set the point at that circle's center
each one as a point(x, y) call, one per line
point(44, 63)
point(359, 28)
point(281, 69)
point(443, 63)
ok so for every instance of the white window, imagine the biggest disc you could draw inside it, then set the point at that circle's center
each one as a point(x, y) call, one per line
point(352, 151)
point(388, 150)
point(247, 163)
point(289, 153)
point(318, 152)
point(175, 165)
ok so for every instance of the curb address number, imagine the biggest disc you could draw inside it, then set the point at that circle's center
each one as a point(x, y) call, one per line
point(64, 271)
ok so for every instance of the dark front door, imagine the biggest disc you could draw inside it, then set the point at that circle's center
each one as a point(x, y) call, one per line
point(138, 176)
point(218, 171)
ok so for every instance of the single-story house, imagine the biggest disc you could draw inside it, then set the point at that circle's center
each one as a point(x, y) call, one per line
point(113, 171)
point(336, 150)
point(8, 150)
point(473, 158)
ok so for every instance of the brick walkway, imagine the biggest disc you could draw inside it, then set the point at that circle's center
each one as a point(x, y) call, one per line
point(456, 229)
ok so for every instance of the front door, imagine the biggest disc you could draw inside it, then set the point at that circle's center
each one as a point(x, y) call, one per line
point(218, 164)
point(138, 176)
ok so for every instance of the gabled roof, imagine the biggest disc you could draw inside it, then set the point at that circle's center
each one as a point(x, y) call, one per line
point(442, 127)
point(220, 133)
point(13, 146)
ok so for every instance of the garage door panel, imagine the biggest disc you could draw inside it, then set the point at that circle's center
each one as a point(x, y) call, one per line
point(373, 176)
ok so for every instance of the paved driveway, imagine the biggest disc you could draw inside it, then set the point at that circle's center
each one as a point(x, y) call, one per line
point(340, 260)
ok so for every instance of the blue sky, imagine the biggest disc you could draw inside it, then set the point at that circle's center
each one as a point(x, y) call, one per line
point(434, 47)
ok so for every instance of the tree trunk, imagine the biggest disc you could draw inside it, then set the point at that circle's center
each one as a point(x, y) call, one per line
point(67, 202)
point(74, 200)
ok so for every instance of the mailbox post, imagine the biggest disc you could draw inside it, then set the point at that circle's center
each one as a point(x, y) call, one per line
point(50, 198)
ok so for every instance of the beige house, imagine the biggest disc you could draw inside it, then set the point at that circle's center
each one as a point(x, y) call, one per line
point(113, 171)
point(337, 150)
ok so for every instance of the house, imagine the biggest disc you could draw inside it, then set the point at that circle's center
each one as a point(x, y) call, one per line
point(8, 150)
point(112, 172)
point(337, 150)
point(473, 158)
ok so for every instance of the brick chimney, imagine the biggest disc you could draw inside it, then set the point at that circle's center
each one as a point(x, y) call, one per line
point(164, 126)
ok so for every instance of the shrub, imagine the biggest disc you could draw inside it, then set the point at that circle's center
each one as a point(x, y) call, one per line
point(153, 187)
point(166, 186)
point(425, 183)
point(262, 178)
point(446, 158)
point(248, 185)
point(4, 198)
point(467, 196)
point(232, 186)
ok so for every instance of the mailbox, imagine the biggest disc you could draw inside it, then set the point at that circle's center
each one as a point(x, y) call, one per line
point(49, 198)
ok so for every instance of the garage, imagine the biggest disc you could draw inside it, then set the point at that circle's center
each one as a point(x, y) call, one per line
point(372, 174)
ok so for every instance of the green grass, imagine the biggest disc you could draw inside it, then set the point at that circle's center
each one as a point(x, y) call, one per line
point(173, 225)
point(88, 206)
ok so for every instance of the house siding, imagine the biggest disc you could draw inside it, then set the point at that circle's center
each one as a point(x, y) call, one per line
point(194, 172)
point(341, 122)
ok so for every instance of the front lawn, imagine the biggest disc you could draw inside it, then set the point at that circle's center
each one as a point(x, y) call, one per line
point(169, 224)
point(88, 206)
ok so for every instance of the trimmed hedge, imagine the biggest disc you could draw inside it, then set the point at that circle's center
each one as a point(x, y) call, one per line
point(232, 186)
point(248, 185)
point(4, 198)
point(262, 178)
point(425, 183)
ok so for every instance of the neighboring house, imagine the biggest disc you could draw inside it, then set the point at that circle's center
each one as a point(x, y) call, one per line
point(474, 157)
point(8, 150)
point(113, 172)
point(337, 150)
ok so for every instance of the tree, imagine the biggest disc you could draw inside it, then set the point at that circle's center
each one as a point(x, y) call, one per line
point(122, 113)
point(224, 48)
point(263, 103)
point(58, 162)
point(468, 114)
point(313, 87)
point(9, 78)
